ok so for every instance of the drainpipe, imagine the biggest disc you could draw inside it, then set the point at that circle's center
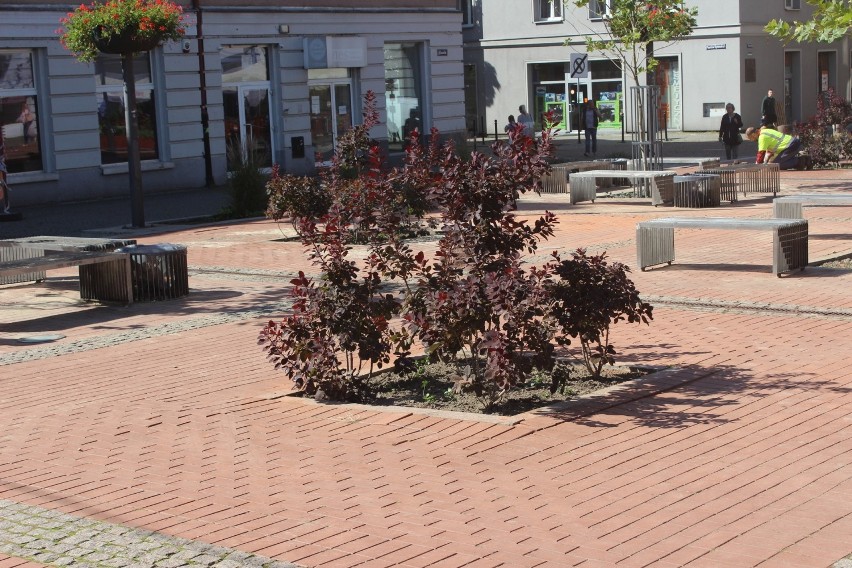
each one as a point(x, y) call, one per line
point(202, 75)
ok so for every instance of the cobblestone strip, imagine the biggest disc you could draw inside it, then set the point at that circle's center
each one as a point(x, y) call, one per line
point(57, 539)
point(170, 328)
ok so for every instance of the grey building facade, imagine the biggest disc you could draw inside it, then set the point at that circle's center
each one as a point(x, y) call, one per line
point(273, 77)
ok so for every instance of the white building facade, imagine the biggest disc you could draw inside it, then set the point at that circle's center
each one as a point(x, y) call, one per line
point(519, 52)
point(274, 77)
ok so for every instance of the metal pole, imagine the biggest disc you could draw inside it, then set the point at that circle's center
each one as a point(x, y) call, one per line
point(482, 128)
point(579, 110)
point(495, 129)
point(134, 164)
point(205, 117)
point(621, 118)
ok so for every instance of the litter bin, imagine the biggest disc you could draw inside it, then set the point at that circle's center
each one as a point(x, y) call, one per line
point(158, 272)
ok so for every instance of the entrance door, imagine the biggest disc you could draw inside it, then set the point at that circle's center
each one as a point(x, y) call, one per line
point(247, 121)
point(331, 116)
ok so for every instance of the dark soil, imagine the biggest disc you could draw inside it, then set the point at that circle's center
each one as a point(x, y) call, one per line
point(432, 386)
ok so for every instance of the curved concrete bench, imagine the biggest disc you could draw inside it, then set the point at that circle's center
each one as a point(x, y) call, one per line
point(655, 239)
point(790, 206)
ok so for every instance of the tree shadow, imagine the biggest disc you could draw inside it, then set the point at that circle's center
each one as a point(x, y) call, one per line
point(701, 393)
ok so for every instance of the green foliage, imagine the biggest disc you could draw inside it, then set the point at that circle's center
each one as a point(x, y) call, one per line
point(158, 20)
point(832, 20)
point(247, 183)
point(295, 197)
point(632, 26)
point(590, 296)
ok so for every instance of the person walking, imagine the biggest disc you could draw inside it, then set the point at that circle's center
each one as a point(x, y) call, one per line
point(589, 119)
point(769, 116)
point(526, 119)
point(729, 132)
point(511, 124)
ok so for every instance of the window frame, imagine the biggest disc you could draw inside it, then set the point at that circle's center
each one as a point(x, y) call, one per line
point(29, 93)
point(466, 8)
point(594, 10)
point(792, 4)
point(556, 11)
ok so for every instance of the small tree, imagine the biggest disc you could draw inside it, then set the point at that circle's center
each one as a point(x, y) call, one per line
point(590, 296)
point(632, 30)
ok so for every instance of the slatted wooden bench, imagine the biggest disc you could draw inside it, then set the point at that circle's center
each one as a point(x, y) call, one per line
point(557, 180)
point(790, 206)
point(697, 191)
point(661, 184)
point(655, 239)
point(748, 178)
point(109, 282)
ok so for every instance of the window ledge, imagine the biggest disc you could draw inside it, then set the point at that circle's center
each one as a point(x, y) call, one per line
point(550, 21)
point(31, 177)
point(147, 166)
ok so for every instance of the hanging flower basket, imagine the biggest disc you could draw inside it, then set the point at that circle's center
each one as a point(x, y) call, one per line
point(126, 41)
point(120, 26)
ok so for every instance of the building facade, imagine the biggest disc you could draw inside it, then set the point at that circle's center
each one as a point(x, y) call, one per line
point(520, 52)
point(274, 77)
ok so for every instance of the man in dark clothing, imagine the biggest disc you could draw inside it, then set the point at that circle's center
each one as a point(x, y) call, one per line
point(767, 110)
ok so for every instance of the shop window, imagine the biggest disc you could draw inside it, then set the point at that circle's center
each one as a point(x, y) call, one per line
point(403, 92)
point(600, 9)
point(111, 105)
point(548, 10)
point(793, 4)
point(19, 112)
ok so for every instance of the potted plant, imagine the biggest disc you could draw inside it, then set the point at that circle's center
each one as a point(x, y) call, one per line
point(120, 26)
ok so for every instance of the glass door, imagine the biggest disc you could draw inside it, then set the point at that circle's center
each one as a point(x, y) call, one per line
point(331, 116)
point(247, 123)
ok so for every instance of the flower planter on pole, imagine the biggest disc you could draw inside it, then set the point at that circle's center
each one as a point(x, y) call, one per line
point(123, 27)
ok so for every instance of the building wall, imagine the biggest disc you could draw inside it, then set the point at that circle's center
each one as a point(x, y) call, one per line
point(68, 120)
point(505, 41)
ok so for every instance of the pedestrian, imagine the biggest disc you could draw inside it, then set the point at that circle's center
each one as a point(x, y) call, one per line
point(768, 114)
point(526, 120)
point(589, 119)
point(511, 124)
point(729, 131)
point(776, 147)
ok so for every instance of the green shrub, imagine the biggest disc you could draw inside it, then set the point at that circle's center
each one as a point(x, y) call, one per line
point(247, 182)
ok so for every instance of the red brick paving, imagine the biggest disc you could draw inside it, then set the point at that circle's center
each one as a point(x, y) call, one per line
point(738, 455)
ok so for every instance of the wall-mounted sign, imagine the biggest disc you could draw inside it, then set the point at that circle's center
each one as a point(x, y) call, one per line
point(442, 52)
point(325, 52)
point(713, 46)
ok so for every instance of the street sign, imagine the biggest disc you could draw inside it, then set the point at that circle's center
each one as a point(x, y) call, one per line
point(579, 66)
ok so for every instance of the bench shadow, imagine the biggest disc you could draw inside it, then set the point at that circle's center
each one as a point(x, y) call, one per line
point(108, 316)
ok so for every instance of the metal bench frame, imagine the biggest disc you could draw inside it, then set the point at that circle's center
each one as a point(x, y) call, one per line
point(749, 178)
point(790, 206)
point(655, 239)
point(697, 190)
point(108, 280)
point(584, 184)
